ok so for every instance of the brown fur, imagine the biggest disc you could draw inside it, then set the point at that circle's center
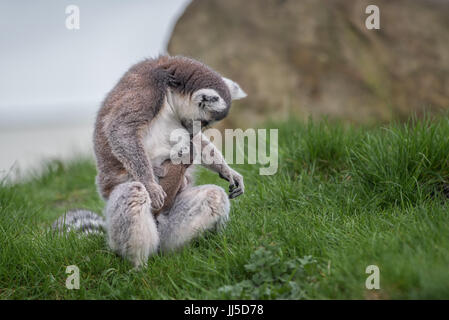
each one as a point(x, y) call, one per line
point(172, 183)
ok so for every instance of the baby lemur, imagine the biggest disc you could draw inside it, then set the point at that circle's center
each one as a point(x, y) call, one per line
point(151, 202)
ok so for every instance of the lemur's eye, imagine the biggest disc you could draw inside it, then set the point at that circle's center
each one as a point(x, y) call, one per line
point(206, 98)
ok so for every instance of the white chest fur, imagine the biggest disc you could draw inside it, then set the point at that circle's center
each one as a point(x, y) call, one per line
point(157, 141)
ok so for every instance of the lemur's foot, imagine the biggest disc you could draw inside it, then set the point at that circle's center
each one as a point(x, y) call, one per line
point(130, 225)
point(196, 210)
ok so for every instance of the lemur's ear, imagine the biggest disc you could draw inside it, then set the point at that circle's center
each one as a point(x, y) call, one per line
point(234, 88)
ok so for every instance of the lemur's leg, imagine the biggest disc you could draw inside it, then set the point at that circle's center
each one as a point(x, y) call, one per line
point(131, 228)
point(195, 210)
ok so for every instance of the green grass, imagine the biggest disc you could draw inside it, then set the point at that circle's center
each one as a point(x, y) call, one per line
point(343, 198)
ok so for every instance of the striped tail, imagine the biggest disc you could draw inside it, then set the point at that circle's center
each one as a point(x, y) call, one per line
point(82, 221)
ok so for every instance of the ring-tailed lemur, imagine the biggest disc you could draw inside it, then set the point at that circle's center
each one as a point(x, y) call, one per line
point(132, 144)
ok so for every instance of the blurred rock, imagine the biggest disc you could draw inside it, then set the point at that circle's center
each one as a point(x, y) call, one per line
point(316, 57)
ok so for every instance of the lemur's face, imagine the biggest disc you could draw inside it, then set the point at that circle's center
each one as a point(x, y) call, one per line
point(206, 106)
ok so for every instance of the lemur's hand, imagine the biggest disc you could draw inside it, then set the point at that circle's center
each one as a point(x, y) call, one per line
point(236, 186)
point(157, 195)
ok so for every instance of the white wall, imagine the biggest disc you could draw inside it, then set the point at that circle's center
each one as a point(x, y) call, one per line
point(52, 77)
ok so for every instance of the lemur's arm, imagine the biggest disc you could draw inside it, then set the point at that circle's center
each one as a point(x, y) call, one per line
point(219, 165)
point(125, 133)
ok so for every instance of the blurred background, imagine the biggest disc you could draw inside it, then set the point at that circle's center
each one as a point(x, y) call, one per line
point(308, 58)
point(53, 79)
